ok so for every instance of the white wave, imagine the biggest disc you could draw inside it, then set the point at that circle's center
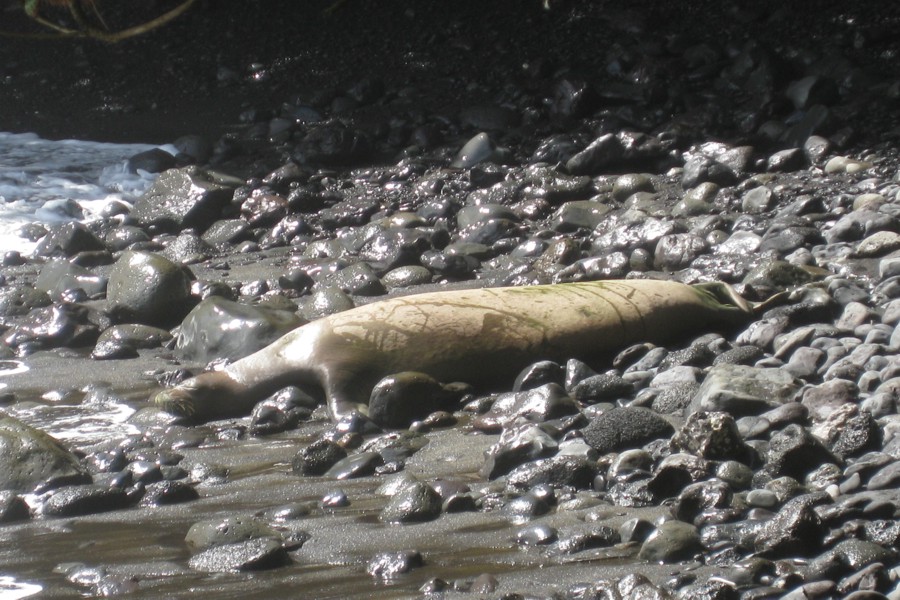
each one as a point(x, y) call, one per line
point(11, 589)
point(50, 182)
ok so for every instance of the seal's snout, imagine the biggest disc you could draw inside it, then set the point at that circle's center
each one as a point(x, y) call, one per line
point(176, 401)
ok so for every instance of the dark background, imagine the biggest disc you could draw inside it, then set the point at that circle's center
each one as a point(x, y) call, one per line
point(199, 73)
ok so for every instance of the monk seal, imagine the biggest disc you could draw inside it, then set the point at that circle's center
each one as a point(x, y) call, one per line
point(480, 336)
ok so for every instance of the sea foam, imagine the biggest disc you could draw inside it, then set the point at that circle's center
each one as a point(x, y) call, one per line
point(44, 181)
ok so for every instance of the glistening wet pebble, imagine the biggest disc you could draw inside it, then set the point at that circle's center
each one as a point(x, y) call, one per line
point(748, 463)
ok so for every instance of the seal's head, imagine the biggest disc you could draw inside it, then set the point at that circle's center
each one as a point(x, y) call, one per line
point(211, 395)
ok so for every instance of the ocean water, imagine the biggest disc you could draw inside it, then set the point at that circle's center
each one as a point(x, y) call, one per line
point(51, 182)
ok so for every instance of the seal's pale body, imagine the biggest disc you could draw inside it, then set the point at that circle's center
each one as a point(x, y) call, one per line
point(479, 336)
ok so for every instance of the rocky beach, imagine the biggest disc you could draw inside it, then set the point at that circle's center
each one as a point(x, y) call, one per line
point(329, 156)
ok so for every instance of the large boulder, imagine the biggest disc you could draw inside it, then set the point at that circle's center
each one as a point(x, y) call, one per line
point(220, 328)
point(149, 289)
point(181, 198)
point(740, 390)
point(30, 458)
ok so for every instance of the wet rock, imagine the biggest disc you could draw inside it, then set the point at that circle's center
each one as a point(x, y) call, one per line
point(388, 565)
point(677, 251)
point(59, 276)
point(281, 411)
point(795, 530)
point(318, 458)
point(13, 508)
point(67, 240)
point(845, 164)
point(84, 500)
point(848, 431)
point(537, 534)
point(557, 148)
point(601, 388)
point(741, 390)
point(556, 471)
point(262, 209)
point(406, 276)
point(415, 503)
point(673, 398)
point(231, 231)
point(713, 436)
point(251, 555)
point(635, 530)
point(356, 465)
point(673, 541)
point(155, 160)
point(736, 474)
point(588, 538)
point(849, 557)
point(478, 149)
point(701, 169)
point(359, 279)
point(53, 327)
point(600, 154)
point(18, 300)
point(335, 499)
point(229, 530)
point(885, 478)
point(517, 445)
point(220, 328)
point(148, 289)
point(123, 341)
point(395, 247)
point(169, 492)
point(30, 458)
point(578, 214)
point(623, 428)
point(823, 399)
point(674, 472)
point(539, 374)
point(538, 405)
point(398, 400)
point(858, 225)
point(698, 497)
point(787, 160)
point(182, 198)
point(187, 249)
point(795, 452)
point(525, 507)
point(757, 200)
point(773, 276)
point(326, 301)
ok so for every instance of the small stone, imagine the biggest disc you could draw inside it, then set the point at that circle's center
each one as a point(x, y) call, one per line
point(415, 503)
point(388, 565)
point(672, 541)
point(251, 555)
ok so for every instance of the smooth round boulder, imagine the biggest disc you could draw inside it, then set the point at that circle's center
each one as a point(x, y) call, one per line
point(221, 328)
point(149, 289)
point(673, 541)
point(413, 504)
point(399, 399)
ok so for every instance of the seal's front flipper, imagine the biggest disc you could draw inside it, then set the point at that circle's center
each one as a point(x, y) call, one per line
point(345, 395)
